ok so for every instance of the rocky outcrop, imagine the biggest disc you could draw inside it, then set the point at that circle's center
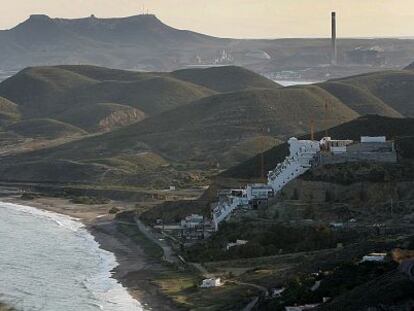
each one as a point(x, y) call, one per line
point(120, 118)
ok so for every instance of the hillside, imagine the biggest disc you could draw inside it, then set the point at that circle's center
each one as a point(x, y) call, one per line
point(182, 118)
point(38, 90)
point(209, 132)
point(225, 79)
point(358, 99)
point(52, 90)
point(393, 88)
point(44, 128)
point(9, 112)
point(363, 126)
point(102, 117)
point(392, 291)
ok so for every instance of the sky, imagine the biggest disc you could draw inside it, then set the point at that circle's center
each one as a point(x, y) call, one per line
point(239, 18)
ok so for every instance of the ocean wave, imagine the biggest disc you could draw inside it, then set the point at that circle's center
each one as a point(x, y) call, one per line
point(104, 292)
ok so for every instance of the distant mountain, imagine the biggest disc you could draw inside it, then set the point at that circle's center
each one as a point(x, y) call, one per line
point(144, 42)
point(141, 41)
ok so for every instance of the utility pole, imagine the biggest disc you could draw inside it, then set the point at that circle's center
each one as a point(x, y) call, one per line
point(326, 119)
point(312, 129)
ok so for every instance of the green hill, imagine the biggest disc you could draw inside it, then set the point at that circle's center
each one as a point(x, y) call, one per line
point(225, 79)
point(179, 118)
point(107, 74)
point(358, 99)
point(47, 91)
point(102, 117)
point(44, 128)
point(221, 129)
point(202, 131)
point(393, 88)
point(152, 95)
point(38, 90)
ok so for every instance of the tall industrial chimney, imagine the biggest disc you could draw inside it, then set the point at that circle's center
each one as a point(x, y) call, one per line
point(333, 40)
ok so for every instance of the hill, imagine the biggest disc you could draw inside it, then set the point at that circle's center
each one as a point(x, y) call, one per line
point(225, 79)
point(410, 66)
point(102, 117)
point(118, 42)
point(181, 118)
point(9, 112)
point(44, 128)
point(360, 100)
point(38, 90)
point(364, 126)
point(393, 88)
point(392, 291)
point(115, 41)
point(52, 90)
point(217, 130)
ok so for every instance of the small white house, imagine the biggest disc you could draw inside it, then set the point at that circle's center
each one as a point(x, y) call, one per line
point(237, 243)
point(212, 282)
point(374, 257)
point(335, 146)
point(259, 191)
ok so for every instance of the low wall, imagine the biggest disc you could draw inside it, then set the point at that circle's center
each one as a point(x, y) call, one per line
point(328, 158)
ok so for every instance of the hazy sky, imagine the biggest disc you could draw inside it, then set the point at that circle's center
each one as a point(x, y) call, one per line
point(239, 18)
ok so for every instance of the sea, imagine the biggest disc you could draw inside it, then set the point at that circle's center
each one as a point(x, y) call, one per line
point(50, 262)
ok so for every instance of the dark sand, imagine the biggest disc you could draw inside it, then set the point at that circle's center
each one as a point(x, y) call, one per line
point(136, 269)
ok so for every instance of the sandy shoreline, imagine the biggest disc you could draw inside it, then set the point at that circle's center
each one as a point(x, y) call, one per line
point(135, 268)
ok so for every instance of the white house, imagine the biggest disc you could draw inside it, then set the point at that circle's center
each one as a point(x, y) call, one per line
point(259, 191)
point(212, 282)
point(374, 257)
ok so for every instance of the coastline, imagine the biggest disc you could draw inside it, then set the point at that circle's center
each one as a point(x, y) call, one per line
point(135, 268)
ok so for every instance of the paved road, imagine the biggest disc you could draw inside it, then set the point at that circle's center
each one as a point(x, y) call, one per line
point(251, 305)
point(169, 254)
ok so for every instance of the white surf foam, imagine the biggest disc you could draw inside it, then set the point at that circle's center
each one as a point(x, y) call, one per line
point(107, 292)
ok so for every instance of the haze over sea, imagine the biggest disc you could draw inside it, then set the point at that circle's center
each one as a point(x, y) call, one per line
point(50, 262)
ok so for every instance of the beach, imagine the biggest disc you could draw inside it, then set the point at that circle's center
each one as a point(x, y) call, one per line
point(135, 268)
